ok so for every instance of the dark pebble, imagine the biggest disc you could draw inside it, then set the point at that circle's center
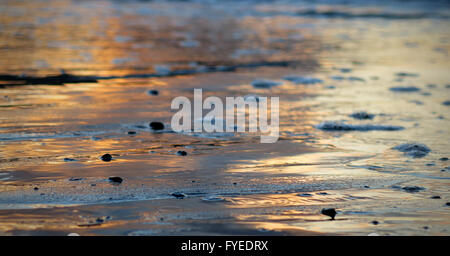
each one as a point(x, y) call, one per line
point(181, 153)
point(75, 179)
point(331, 212)
point(305, 194)
point(115, 179)
point(36, 188)
point(425, 227)
point(375, 222)
point(69, 159)
point(444, 159)
point(131, 132)
point(99, 220)
point(153, 92)
point(322, 193)
point(178, 195)
point(157, 126)
point(106, 157)
point(447, 204)
point(435, 197)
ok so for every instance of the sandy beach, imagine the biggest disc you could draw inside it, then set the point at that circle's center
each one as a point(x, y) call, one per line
point(364, 100)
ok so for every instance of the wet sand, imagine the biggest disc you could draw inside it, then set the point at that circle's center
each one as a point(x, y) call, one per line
point(75, 80)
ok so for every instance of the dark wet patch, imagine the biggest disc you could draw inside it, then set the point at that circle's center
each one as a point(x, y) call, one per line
point(50, 80)
point(303, 80)
point(264, 84)
point(335, 14)
point(404, 89)
point(405, 74)
point(435, 197)
point(415, 150)
point(413, 189)
point(305, 195)
point(340, 126)
point(446, 103)
point(69, 159)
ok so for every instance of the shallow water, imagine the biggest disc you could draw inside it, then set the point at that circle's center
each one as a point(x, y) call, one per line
point(353, 53)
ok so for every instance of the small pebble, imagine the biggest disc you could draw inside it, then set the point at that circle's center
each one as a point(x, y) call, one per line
point(131, 132)
point(181, 153)
point(447, 204)
point(36, 188)
point(444, 159)
point(75, 179)
point(157, 126)
point(435, 197)
point(304, 194)
point(115, 179)
point(153, 92)
point(106, 157)
point(178, 195)
point(69, 159)
point(331, 212)
point(375, 222)
point(362, 115)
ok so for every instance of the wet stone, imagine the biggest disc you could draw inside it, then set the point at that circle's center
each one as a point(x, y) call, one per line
point(443, 158)
point(178, 195)
point(36, 188)
point(75, 179)
point(152, 92)
point(131, 133)
point(331, 212)
point(115, 179)
point(106, 157)
point(69, 159)
point(157, 126)
point(182, 153)
point(375, 222)
point(435, 197)
point(304, 195)
point(446, 103)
